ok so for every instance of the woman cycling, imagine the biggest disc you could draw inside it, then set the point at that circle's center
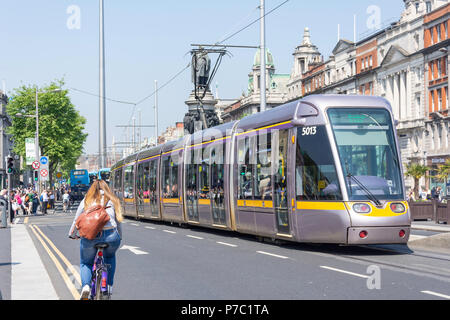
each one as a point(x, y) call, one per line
point(99, 193)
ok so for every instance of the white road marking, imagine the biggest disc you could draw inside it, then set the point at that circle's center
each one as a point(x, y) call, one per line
point(151, 228)
point(273, 255)
point(436, 294)
point(134, 224)
point(16, 220)
point(346, 272)
point(135, 250)
point(194, 237)
point(227, 244)
point(168, 231)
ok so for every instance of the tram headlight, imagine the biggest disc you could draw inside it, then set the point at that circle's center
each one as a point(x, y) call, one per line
point(362, 208)
point(398, 207)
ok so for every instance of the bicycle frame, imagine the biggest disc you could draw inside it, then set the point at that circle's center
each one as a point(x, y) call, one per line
point(99, 283)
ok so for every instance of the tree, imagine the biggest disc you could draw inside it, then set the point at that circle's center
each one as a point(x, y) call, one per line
point(443, 171)
point(61, 135)
point(416, 171)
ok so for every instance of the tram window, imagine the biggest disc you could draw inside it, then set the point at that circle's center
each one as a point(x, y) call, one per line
point(217, 168)
point(139, 181)
point(153, 165)
point(146, 180)
point(280, 147)
point(203, 172)
point(315, 170)
point(263, 168)
point(128, 191)
point(191, 174)
point(170, 178)
point(245, 186)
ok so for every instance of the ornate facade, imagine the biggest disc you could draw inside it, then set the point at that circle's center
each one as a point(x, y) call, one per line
point(406, 63)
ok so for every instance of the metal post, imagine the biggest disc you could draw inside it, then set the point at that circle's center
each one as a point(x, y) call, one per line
point(4, 206)
point(102, 111)
point(263, 58)
point(37, 149)
point(156, 112)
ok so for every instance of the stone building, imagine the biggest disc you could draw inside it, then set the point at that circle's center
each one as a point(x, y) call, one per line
point(5, 139)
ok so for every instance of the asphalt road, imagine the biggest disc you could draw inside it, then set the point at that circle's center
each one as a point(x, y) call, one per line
point(160, 261)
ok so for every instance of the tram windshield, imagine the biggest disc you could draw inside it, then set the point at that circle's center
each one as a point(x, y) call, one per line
point(368, 153)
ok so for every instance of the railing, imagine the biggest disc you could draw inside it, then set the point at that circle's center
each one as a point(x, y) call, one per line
point(430, 210)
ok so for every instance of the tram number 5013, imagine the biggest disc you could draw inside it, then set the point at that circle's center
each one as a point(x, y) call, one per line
point(309, 131)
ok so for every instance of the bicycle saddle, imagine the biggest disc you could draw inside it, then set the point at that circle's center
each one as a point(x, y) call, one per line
point(101, 246)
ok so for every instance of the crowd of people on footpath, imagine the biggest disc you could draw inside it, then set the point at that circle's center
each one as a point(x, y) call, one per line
point(26, 201)
point(424, 195)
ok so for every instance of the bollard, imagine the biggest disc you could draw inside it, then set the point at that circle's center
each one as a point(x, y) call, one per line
point(4, 216)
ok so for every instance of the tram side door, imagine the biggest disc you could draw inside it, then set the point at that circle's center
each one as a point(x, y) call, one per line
point(191, 169)
point(153, 194)
point(140, 189)
point(217, 196)
point(281, 180)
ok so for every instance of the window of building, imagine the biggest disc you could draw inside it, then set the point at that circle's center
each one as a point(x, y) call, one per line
point(439, 68)
point(440, 99)
point(418, 106)
point(438, 29)
point(432, 35)
point(432, 70)
point(428, 4)
point(370, 61)
point(446, 30)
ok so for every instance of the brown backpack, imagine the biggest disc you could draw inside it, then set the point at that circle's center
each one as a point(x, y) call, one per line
point(92, 221)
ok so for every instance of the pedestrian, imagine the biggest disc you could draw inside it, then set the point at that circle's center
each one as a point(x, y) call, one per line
point(66, 199)
point(45, 199)
point(99, 193)
point(52, 199)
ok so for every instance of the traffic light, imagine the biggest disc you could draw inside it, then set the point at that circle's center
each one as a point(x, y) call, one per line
point(10, 164)
point(36, 175)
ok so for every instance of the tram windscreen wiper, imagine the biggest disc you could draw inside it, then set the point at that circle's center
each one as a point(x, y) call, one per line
point(370, 195)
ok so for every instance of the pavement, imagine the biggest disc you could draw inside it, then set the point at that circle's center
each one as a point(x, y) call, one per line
point(436, 243)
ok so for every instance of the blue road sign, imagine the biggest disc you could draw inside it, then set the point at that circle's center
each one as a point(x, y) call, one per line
point(44, 160)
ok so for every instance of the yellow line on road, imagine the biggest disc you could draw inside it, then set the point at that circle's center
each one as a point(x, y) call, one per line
point(63, 258)
point(58, 265)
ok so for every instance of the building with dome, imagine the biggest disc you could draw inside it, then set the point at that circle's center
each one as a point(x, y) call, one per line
point(249, 102)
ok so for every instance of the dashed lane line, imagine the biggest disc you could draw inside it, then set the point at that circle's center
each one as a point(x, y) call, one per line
point(440, 295)
point(227, 244)
point(346, 272)
point(194, 237)
point(169, 231)
point(272, 254)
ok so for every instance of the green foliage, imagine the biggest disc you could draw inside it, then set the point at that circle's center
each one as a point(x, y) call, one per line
point(61, 136)
point(416, 171)
point(443, 171)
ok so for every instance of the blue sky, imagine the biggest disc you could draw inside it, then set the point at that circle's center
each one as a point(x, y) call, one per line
point(150, 40)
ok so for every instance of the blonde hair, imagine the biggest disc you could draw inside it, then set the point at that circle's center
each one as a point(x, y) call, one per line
point(94, 195)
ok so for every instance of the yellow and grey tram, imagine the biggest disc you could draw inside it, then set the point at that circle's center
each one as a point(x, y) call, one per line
point(324, 169)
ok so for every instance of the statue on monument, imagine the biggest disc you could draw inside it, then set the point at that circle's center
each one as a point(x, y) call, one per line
point(201, 66)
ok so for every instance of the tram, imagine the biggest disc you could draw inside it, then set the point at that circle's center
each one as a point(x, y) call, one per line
point(323, 169)
point(104, 174)
point(93, 175)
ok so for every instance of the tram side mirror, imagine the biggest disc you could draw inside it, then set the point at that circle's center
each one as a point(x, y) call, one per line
point(396, 123)
point(299, 122)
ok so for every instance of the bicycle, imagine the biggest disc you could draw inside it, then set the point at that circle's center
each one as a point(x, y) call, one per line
point(99, 283)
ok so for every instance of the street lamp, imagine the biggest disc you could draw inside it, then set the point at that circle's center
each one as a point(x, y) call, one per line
point(36, 115)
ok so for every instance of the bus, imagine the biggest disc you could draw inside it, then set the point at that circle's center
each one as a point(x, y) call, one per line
point(79, 183)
